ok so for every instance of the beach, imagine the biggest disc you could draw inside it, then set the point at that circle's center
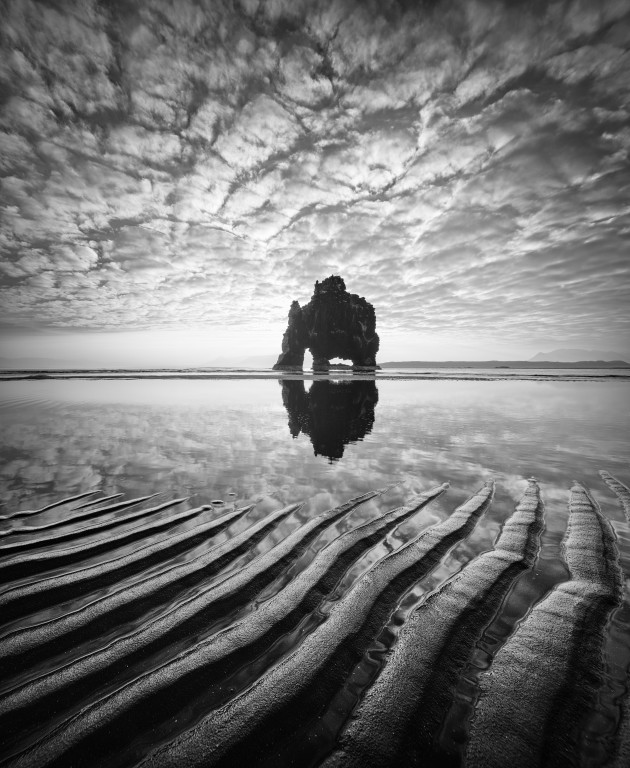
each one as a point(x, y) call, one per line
point(273, 570)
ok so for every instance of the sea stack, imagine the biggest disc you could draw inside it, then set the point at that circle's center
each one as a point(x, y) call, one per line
point(333, 324)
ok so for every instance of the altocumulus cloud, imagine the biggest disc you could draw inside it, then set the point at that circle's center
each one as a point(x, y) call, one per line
point(464, 164)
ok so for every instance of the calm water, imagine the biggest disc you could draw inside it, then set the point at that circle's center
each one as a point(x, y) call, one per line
point(276, 442)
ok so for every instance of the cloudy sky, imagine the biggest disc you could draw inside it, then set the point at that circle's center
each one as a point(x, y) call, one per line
point(175, 173)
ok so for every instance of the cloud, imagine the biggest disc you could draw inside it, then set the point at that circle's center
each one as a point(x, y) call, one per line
point(464, 165)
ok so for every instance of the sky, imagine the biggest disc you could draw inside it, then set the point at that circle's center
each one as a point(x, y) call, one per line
point(174, 174)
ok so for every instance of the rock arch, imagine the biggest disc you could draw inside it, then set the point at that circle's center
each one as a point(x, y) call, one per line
point(334, 323)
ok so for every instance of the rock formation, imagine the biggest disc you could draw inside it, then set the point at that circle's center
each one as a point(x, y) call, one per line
point(334, 323)
point(331, 413)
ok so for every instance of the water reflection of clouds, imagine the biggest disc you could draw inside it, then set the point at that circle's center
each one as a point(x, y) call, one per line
point(207, 439)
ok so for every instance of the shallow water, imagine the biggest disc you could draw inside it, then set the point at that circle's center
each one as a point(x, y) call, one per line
point(276, 442)
point(208, 439)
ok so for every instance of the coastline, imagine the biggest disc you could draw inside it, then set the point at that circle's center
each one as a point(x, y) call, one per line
point(466, 374)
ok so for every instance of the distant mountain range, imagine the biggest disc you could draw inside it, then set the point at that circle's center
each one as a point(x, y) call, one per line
point(504, 364)
point(576, 355)
point(558, 358)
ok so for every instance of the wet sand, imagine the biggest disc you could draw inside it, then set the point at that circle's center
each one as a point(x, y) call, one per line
point(146, 632)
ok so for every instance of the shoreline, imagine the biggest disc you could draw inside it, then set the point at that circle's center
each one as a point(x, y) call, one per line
point(440, 375)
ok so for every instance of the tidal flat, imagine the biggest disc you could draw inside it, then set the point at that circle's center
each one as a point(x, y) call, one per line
point(345, 571)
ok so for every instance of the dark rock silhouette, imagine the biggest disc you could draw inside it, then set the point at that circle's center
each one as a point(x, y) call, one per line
point(331, 413)
point(334, 323)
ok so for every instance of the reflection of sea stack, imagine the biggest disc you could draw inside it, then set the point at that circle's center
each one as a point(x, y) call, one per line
point(331, 413)
point(334, 323)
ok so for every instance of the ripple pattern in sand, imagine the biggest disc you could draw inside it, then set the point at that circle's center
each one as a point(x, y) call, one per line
point(142, 633)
